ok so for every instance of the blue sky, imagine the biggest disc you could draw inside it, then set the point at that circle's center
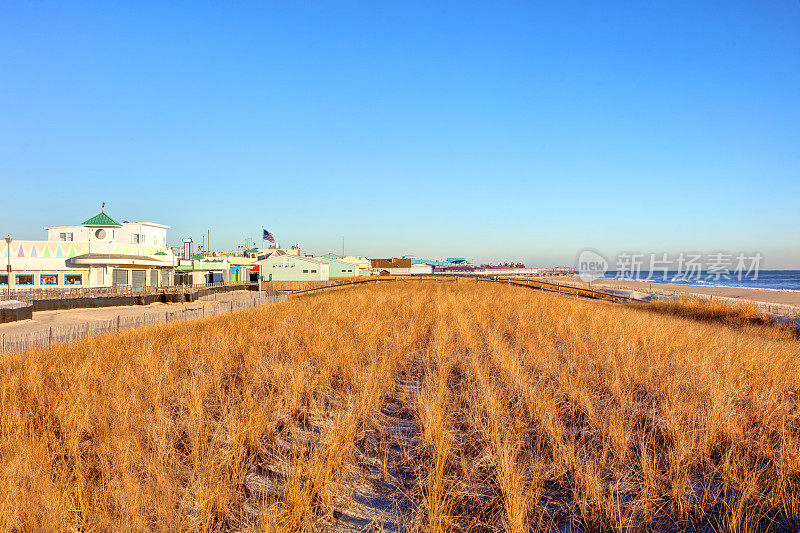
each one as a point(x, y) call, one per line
point(496, 130)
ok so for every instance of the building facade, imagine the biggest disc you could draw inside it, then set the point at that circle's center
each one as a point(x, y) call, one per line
point(418, 268)
point(361, 262)
point(100, 252)
point(289, 267)
point(391, 267)
point(203, 270)
point(339, 268)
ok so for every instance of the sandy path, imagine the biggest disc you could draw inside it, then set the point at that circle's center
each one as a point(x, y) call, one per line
point(43, 320)
point(388, 462)
point(380, 491)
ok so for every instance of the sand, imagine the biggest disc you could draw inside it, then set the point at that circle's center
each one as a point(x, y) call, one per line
point(761, 296)
point(43, 320)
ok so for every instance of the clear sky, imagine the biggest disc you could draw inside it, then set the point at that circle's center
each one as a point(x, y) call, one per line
point(494, 130)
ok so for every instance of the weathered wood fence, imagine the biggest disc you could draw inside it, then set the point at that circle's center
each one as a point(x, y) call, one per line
point(16, 342)
point(43, 338)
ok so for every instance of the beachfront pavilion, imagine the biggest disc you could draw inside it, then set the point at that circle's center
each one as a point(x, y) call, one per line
point(100, 252)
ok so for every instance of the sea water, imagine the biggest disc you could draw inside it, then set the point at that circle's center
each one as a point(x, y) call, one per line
point(773, 280)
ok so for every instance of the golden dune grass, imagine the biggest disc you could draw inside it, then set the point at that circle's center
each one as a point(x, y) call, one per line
point(532, 410)
point(744, 314)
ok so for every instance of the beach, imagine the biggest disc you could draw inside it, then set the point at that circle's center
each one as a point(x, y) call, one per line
point(759, 296)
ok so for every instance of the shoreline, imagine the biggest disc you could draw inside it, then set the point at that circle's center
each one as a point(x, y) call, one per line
point(790, 300)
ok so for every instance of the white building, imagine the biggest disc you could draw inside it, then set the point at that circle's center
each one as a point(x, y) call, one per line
point(101, 252)
point(338, 268)
point(201, 270)
point(293, 268)
point(421, 269)
point(362, 264)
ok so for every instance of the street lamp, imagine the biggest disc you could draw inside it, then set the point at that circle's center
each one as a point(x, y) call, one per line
point(8, 266)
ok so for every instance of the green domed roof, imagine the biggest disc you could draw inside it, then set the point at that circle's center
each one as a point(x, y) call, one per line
point(101, 219)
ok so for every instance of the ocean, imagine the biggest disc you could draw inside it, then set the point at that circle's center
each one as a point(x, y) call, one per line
point(772, 280)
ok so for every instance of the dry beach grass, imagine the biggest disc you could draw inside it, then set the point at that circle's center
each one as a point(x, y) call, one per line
point(429, 407)
point(737, 314)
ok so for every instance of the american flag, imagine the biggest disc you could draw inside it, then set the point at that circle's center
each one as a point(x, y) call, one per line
point(269, 237)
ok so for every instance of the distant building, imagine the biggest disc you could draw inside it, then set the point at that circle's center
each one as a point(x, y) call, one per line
point(418, 268)
point(362, 263)
point(391, 267)
point(263, 254)
point(287, 267)
point(100, 252)
point(449, 265)
point(200, 270)
point(339, 268)
point(450, 261)
point(240, 268)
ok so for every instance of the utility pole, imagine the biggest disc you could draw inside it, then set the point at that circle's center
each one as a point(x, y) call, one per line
point(8, 266)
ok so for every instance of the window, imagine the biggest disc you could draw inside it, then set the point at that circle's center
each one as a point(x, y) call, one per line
point(24, 279)
point(313, 271)
point(135, 238)
point(65, 236)
point(3, 279)
point(48, 279)
point(305, 271)
point(73, 279)
point(100, 233)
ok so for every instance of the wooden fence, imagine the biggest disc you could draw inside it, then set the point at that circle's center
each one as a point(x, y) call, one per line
point(43, 338)
point(27, 295)
point(567, 289)
point(660, 293)
point(19, 342)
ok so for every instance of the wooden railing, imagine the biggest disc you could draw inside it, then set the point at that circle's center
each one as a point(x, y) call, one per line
point(46, 337)
point(37, 293)
point(309, 286)
point(566, 289)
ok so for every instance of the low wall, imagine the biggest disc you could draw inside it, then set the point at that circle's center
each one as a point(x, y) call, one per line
point(57, 304)
point(12, 314)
